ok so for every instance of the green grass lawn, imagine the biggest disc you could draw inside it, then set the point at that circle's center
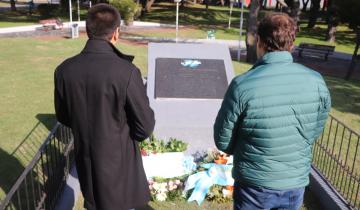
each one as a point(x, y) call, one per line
point(217, 18)
point(200, 20)
point(26, 105)
point(22, 18)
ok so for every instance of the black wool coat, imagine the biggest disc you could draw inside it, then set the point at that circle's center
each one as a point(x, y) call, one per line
point(100, 95)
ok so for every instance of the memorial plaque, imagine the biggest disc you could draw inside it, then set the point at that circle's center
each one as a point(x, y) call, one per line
point(190, 78)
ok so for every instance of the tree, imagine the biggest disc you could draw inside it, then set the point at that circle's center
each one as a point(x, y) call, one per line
point(332, 21)
point(12, 5)
point(294, 6)
point(314, 13)
point(147, 4)
point(348, 12)
point(305, 4)
point(251, 33)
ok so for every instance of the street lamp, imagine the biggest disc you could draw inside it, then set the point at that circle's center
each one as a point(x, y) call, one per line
point(177, 19)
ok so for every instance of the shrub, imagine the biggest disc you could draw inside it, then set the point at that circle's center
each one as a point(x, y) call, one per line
point(128, 9)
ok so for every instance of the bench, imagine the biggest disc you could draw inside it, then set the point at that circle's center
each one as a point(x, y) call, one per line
point(53, 24)
point(315, 49)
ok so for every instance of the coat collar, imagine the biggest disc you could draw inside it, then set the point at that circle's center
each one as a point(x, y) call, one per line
point(103, 46)
point(275, 57)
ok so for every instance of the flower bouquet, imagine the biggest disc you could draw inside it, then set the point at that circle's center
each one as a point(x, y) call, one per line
point(166, 189)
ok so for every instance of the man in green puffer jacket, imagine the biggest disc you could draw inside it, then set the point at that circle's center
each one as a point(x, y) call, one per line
point(269, 120)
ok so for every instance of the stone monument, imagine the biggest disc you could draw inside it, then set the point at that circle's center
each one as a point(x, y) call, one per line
point(186, 84)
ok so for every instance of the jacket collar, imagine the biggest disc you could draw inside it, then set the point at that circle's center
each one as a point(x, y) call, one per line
point(275, 57)
point(103, 46)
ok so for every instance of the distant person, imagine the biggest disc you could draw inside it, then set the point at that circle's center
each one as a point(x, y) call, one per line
point(269, 120)
point(100, 95)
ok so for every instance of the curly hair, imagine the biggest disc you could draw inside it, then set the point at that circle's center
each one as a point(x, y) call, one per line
point(277, 32)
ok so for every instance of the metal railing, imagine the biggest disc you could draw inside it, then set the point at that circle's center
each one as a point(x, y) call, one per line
point(43, 180)
point(336, 157)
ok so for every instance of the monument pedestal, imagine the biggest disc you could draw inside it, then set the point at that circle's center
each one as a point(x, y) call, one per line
point(185, 86)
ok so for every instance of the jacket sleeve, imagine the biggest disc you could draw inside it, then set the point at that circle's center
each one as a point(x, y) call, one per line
point(61, 110)
point(226, 121)
point(139, 114)
point(323, 111)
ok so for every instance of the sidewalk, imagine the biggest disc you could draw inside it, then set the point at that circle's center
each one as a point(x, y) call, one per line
point(137, 24)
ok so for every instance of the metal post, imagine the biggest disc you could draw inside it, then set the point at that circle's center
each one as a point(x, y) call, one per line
point(231, 8)
point(241, 28)
point(78, 9)
point(177, 20)
point(70, 11)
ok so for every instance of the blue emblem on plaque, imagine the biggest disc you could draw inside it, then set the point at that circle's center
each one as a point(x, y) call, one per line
point(191, 63)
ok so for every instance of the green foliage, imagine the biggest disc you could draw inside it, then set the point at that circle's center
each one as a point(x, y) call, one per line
point(175, 145)
point(128, 9)
point(215, 194)
point(175, 195)
point(348, 11)
point(48, 10)
point(160, 146)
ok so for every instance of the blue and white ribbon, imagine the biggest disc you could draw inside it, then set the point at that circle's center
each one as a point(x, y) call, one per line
point(202, 181)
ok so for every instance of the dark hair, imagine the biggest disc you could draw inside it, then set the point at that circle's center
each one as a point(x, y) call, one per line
point(277, 32)
point(101, 21)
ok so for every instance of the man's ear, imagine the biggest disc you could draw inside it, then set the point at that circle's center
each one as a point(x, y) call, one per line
point(115, 35)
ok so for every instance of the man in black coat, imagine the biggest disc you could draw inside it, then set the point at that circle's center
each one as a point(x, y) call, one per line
point(100, 95)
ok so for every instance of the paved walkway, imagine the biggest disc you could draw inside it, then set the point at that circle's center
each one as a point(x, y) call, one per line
point(17, 29)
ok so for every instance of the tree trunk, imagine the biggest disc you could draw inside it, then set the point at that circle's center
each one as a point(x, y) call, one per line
point(331, 33)
point(251, 56)
point(149, 4)
point(12, 5)
point(325, 5)
point(354, 57)
point(206, 4)
point(295, 11)
point(263, 4)
point(305, 4)
point(314, 12)
point(332, 22)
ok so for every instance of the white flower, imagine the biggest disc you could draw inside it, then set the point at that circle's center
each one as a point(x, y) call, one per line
point(163, 187)
point(156, 186)
point(161, 196)
point(177, 182)
point(226, 193)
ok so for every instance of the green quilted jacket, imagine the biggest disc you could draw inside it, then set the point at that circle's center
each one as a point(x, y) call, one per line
point(269, 120)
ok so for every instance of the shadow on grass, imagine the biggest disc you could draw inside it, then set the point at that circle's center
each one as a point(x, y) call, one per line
point(345, 95)
point(13, 163)
point(10, 169)
point(214, 17)
point(19, 16)
point(342, 37)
